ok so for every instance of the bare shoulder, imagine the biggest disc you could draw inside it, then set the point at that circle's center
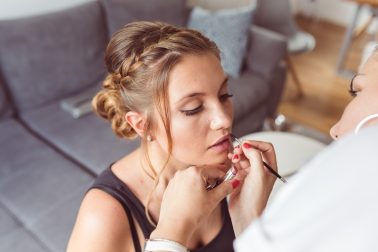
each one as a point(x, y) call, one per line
point(101, 225)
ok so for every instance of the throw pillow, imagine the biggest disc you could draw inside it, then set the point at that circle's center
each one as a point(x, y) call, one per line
point(228, 29)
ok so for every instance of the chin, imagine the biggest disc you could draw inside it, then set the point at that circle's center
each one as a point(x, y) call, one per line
point(220, 159)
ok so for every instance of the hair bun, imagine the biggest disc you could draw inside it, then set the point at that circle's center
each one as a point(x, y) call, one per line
point(108, 104)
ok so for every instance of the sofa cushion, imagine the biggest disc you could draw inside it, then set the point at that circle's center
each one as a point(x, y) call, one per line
point(14, 237)
point(89, 139)
point(46, 57)
point(20, 240)
point(8, 222)
point(229, 30)
point(33, 177)
point(5, 107)
point(55, 226)
point(266, 51)
point(121, 12)
point(250, 91)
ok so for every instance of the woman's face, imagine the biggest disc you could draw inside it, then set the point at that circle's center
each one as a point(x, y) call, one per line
point(365, 102)
point(201, 111)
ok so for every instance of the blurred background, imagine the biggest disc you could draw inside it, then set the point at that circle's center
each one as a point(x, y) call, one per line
point(326, 20)
point(290, 64)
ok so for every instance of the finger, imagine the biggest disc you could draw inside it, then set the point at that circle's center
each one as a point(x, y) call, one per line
point(241, 176)
point(212, 172)
point(243, 162)
point(260, 145)
point(224, 189)
point(254, 157)
point(235, 158)
point(237, 150)
point(266, 149)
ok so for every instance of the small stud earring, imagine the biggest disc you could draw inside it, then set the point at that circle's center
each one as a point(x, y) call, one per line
point(149, 138)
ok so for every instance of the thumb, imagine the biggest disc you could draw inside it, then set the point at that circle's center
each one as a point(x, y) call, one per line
point(224, 189)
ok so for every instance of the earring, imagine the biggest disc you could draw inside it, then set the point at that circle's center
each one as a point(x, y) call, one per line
point(149, 138)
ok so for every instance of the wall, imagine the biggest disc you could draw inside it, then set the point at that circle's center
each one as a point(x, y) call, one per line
point(10, 9)
point(340, 12)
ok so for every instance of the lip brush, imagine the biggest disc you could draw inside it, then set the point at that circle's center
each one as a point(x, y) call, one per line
point(265, 164)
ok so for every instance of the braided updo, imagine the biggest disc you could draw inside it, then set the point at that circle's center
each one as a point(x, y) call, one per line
point(139, 58)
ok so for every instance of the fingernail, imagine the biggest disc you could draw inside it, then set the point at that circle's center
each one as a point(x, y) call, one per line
point(247, 145)
point(236, 156)
point(237, 146)
point(235, 183)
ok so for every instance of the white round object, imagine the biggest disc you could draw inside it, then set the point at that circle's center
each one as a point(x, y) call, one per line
point(292, 151)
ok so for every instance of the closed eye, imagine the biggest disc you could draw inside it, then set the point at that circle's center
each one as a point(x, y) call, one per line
point(191, 112)
point(351, 90)
point(353, 93)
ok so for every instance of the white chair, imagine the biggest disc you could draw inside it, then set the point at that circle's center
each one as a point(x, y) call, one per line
point(293, 151)
point(276, 15)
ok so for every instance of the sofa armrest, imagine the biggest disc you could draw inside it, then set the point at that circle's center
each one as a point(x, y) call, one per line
point(266, 51)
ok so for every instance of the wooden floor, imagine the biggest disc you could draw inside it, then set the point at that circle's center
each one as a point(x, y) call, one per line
point(326, 93)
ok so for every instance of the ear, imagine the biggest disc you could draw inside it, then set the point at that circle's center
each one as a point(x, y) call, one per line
point(137, 121)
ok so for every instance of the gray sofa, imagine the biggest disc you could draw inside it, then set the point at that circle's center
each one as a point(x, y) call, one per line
point(48, 157)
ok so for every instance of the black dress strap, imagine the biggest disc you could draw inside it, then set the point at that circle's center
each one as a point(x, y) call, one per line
point(110, 183)
point(134, 233)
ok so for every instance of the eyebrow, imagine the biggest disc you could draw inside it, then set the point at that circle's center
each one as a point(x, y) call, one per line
point(224, 82)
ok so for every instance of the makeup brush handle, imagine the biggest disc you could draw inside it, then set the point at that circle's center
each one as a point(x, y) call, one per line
point(274, 172)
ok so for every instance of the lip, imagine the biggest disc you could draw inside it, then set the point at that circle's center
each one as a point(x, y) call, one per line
point(220, 140)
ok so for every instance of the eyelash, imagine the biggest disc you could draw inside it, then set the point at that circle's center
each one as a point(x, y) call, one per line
point(191, 112)
point(352, 93)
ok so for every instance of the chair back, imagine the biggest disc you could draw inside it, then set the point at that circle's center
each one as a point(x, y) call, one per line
point(275, 15)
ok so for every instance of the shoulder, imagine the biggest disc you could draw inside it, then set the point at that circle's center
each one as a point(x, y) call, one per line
point(101, 225)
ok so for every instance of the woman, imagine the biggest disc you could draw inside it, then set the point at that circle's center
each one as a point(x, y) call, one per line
point(330, 206)
point(167, 87)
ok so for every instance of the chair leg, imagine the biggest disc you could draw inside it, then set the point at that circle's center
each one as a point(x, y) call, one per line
point(362, 29)
point(295, 76)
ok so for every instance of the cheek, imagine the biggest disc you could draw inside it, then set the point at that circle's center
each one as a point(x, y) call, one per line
point(230, 110)
point(188, 135)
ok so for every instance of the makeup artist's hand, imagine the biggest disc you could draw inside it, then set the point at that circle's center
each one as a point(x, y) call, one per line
point(186, 203)
point(249, 200)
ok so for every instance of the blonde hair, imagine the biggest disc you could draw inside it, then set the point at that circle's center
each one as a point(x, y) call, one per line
point(139, 58)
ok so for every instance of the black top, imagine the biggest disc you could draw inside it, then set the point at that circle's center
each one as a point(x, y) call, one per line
point(110, 183)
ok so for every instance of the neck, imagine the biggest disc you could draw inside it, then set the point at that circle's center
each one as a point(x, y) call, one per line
point(163, 167)
point(164, 170)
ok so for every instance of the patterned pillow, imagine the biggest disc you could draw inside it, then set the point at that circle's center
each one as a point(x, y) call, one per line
point(228, 29)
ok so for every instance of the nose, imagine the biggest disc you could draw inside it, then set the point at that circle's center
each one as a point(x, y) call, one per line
point(221, 119)
point(334, 131)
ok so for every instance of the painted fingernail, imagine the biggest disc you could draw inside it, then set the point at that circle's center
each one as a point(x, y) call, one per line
point(235, 183)
point(236, 156)
point(247, 145)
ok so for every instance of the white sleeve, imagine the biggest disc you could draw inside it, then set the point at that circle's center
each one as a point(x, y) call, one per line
point(331, 205)
point(254, 238)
